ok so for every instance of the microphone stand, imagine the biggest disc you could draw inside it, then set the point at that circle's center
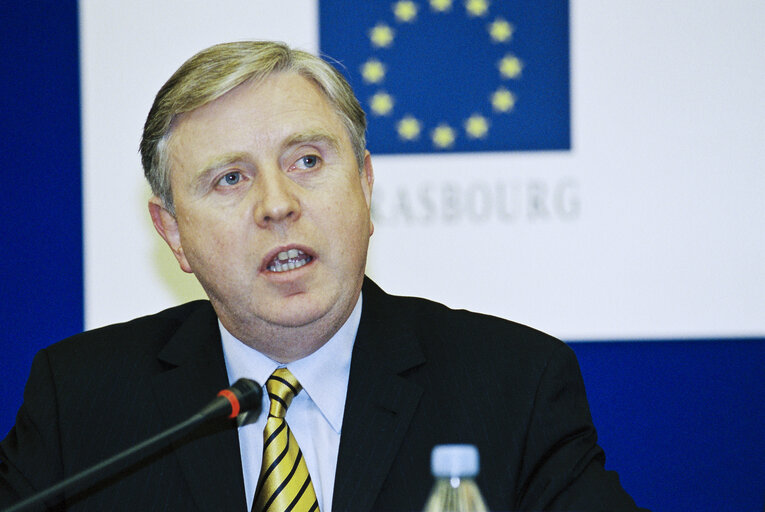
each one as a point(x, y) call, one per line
point(244, 395)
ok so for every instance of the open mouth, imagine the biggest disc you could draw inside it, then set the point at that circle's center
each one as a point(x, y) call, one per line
point(289, 260)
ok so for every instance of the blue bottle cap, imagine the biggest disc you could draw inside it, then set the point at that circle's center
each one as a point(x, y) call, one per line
point(454, 460)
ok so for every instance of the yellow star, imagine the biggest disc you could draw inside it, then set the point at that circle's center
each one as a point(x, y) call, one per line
point(443, 136)
point(477, 126)
point(502, 100)
point(476, 7)
point(381, 103)
point(500, 30)
point(373, 71)
point(409, 128)
point(381, 35)
point(405, 11)
point(510, 66)
point(441, 5)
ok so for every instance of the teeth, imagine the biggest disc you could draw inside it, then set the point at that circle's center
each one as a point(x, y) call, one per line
point(289, 260)
point(292, 253)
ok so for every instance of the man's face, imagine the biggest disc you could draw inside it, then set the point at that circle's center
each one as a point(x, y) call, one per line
point(272, 213)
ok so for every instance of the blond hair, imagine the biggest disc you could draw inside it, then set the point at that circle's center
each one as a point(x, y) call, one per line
point(213, 72)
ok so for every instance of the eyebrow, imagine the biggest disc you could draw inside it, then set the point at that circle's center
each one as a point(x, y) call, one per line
point(309, 136)
point(214, 165)
point(221, 161)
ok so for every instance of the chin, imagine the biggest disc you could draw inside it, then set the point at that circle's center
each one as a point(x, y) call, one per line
point(296, 314)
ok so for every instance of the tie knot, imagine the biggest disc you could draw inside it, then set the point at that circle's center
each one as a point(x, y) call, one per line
point(282, 387)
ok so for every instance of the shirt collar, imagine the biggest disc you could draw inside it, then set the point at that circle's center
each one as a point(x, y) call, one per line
point(323, 374)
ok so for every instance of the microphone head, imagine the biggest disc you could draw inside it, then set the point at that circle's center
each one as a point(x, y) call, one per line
point(249, 394)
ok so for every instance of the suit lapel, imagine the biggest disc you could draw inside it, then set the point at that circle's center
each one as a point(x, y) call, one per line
point(209, 457)
point(380, 402)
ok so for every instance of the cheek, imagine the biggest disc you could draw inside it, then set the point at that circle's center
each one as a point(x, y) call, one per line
point(354, 233)
point(205, 240)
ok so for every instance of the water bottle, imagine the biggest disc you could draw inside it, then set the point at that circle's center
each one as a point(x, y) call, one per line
point(454, 466)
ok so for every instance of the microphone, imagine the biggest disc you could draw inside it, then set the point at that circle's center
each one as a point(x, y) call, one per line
point(243, 396)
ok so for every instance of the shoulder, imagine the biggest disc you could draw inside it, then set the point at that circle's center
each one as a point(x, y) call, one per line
point(145, 336)
point(457, 335)
point(480, 338)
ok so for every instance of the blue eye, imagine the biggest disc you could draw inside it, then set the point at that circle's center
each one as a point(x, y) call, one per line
point(231, 178)
point(308, 161)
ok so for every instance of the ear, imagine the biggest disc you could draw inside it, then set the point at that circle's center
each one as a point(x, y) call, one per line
point(167, 226)
point(367, 183)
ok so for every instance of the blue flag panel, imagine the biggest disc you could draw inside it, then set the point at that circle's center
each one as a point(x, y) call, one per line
point(455, 76)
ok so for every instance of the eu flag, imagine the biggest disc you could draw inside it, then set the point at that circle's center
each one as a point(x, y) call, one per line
point(455, 75)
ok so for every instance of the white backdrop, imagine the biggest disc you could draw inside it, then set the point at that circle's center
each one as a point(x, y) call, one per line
point(652, 226)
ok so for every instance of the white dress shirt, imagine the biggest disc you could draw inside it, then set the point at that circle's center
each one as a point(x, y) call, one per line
point(316, 413)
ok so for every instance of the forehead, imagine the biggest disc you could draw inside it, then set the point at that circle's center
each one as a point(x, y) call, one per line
point(256, 114)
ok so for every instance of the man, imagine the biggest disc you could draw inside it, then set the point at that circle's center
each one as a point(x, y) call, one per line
point(262, 188)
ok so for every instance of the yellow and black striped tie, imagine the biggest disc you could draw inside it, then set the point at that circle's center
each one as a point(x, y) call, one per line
point(284, 483)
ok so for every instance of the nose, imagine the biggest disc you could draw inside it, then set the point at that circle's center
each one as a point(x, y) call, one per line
point(277, 202)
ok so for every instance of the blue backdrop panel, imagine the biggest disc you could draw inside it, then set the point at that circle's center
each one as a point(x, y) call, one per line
point(681, 421)
point(40, 198)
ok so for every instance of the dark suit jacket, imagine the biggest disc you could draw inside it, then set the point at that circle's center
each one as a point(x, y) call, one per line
point(421, 375)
